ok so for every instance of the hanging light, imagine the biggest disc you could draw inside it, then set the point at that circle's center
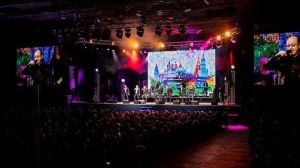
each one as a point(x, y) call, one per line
point(140, 31)
point(119, 33)
point(158, 30)
point(182, 29)
point(168, 29)
point(127, 32)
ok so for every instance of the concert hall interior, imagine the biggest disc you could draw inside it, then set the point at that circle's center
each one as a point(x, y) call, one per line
point(149, 84)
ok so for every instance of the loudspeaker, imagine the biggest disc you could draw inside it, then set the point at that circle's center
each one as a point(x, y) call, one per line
point(159, 102)
point(214, 103)
point(187, 103)
point(142, 101)
point(176, 102)
point(126, 101)
point(136, 102)
point(193, 102)
point(111, 101)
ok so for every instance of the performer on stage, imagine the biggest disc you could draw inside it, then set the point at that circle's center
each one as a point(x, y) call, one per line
point(159, 91)
point(205, 88)
point(152, 90)
point(137, 92)
point(39, 72)
point(192, 92)
point(145, 93)
point(169, 93)
point(181, 92)
point(59, 76)
point(126, 92)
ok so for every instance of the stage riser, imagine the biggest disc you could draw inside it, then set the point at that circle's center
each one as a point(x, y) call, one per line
point(159, 107)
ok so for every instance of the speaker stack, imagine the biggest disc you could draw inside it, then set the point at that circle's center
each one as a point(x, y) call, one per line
point(188, 103)
point(159, 102)
point(142, 101)
point(176, 102)
point(136, 102)
point(111, 101)
point(126, 101)
point(193, 102)
point(214, 103)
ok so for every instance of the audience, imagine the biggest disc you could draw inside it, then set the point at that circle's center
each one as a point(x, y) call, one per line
point(91, 137)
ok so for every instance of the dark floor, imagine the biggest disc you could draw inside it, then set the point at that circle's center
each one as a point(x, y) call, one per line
point(228, 149)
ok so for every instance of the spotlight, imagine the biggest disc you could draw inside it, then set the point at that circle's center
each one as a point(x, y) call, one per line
point(140, 31)
point(127, 32)
point(119, 33)
point(158, 30)
point(182, 29)
point(168, 29)
point(233, 40)
point(123, 80)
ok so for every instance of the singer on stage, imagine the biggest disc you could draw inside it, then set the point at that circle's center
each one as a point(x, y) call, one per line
point(137, 92)
point(287, 63)
point(145, 93)
point(126, 93)
point(39, 72)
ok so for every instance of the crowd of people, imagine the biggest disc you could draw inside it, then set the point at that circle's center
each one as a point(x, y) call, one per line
point(91, 137)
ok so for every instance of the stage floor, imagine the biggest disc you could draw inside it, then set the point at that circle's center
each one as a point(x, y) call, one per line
point(167, 106)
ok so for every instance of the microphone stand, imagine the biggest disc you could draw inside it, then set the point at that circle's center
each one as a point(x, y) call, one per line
point(38, 98)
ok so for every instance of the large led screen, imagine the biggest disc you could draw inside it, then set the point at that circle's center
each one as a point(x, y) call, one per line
point(190, 68)
point(23, 57)
point(267, 45)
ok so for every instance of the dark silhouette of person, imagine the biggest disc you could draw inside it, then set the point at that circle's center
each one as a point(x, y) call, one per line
point(58, 77)
point(205, 88)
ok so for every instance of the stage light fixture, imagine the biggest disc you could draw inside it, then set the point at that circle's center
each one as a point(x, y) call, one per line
point(127, 32)
point(168, 29)
point(158, 30)
point(140, 31)
point(119, 33)
point(182, 29)
point(233, 39)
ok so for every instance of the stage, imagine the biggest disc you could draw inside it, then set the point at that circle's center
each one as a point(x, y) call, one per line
point(120, 106)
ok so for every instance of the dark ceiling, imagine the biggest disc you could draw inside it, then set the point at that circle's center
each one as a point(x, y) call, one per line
point(207, 14)
point(208, 17)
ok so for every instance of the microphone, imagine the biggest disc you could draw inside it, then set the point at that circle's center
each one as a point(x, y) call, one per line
point(288, 52)
point(277, 56)
point(29, 64)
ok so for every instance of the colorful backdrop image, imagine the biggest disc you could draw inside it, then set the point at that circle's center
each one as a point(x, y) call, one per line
point(24, 55)
point(267, 45)
point(190, 68)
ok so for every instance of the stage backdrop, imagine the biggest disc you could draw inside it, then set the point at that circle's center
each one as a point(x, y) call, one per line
point(183, 67)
